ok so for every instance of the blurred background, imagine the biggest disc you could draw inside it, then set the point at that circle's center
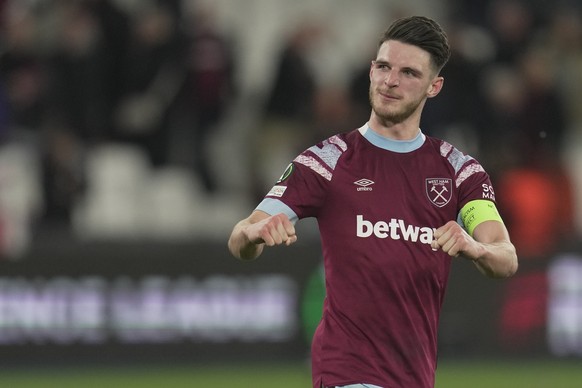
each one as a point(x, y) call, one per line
point(134, 134)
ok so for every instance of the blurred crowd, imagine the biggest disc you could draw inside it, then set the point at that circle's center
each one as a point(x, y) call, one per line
point(87, 85)
point(77, 76)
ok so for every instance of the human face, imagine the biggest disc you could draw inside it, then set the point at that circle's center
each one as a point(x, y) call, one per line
point(401, 79)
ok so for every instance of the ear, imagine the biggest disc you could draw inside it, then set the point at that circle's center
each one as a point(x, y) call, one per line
point(435, 86)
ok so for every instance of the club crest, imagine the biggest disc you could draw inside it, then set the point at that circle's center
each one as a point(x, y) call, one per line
point(439, 190)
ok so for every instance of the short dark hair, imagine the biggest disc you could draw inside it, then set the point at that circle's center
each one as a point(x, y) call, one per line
point(422, 32)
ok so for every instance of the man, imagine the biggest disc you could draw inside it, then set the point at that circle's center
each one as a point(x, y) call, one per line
point(393, 207)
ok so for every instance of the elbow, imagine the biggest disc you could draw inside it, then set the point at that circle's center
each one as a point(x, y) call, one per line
point(501, 270)
point(513, 267)
point(513, 263)
point(509, 270)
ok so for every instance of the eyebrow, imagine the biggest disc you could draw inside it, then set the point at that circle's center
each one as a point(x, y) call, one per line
point(405, 68)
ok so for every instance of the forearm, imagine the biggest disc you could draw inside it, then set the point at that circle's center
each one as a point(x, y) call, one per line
point(496, 260)
point(239, 244)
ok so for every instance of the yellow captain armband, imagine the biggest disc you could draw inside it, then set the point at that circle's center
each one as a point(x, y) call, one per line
point(478, 211)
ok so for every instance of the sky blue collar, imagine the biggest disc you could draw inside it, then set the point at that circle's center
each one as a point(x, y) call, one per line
point(400, 146)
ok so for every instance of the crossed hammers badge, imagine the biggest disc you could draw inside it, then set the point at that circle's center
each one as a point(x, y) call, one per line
point(439, 190)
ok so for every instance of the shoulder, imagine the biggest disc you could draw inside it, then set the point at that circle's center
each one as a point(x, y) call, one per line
point(323, 157)
point(463, 165)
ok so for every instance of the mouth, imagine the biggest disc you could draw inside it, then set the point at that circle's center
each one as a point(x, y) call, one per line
point(388, 96)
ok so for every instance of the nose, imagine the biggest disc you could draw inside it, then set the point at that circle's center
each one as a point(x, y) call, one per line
point(392, 80)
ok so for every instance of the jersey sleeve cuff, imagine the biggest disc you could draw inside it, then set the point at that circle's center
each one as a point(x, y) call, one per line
point(273, 206)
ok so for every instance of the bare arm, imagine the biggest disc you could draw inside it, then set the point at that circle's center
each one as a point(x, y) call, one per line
point(249, 236)
point(489, 248)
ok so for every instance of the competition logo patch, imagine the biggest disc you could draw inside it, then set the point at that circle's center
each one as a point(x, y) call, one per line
point(287, 173)
point(277, 191)
point(439, 190)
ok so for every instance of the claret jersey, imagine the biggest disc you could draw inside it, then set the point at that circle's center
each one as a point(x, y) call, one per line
point(377, 203)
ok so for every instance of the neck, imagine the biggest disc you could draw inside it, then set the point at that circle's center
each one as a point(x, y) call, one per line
point(406, 130)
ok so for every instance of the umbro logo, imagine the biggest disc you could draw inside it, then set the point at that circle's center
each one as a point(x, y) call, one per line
point(364, 184)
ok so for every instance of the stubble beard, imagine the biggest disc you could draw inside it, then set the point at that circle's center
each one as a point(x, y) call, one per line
point(392, 117)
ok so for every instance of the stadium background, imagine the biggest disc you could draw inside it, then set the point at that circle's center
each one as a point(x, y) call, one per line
point(135, 133)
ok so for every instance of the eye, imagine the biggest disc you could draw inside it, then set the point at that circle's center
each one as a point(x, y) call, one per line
point(410, 73)
point(382, 66)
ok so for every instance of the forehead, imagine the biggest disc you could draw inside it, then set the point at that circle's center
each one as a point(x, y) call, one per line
point(404, 55)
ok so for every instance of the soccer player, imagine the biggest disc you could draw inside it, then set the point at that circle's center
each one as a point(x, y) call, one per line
point(394, 207)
